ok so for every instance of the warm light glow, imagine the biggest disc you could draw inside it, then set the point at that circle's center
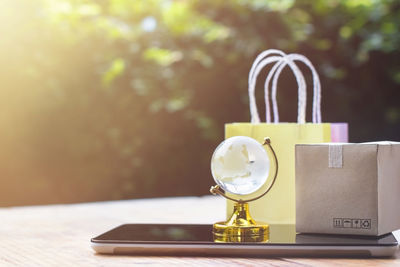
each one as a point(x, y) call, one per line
point(120, 99)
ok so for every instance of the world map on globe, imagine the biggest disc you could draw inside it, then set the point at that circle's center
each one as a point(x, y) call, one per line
point(240, 165)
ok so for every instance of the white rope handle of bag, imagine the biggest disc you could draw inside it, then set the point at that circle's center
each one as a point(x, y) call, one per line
point(261, 61)
point(316, 110)
point(264, 58)
point(302, 93)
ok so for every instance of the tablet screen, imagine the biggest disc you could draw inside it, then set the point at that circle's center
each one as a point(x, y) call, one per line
point(202, 234)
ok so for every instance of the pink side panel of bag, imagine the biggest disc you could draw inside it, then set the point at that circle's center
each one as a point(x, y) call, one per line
point(340, 132)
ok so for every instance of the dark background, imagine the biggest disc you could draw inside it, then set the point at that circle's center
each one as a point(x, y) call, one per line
point(115, 99)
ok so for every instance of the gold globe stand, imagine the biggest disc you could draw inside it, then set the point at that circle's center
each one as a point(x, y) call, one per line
point(241, 227)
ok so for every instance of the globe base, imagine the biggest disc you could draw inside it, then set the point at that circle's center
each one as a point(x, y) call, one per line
point(241, 227)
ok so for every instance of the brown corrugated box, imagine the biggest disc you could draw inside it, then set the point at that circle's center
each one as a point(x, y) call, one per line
point(348, 188)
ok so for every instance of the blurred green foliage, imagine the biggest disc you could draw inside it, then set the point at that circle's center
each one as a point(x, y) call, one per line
point(111, 99)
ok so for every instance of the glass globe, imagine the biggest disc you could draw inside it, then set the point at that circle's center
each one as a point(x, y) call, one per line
point(240, 165)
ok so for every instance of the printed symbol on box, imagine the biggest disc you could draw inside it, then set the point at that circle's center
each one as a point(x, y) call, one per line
point(356, 223)
point(366, 224)
point(337, 222)
point(347, 223)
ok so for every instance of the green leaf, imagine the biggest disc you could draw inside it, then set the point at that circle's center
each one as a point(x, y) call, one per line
point(116, 69)
point(163, 57)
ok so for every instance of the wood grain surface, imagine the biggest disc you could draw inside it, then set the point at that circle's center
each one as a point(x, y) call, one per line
point(59, 235)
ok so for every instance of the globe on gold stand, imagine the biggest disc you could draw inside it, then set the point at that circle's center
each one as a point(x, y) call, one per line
point(240, 166)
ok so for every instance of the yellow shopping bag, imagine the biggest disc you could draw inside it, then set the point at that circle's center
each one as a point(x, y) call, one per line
point(278, 206)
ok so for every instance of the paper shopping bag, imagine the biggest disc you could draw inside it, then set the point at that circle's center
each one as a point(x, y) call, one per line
point(278, 206)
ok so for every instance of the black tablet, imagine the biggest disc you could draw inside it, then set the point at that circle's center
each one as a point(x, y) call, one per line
point(197, 239)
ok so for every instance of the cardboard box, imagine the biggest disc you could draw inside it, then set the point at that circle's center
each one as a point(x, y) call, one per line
point(348, 188)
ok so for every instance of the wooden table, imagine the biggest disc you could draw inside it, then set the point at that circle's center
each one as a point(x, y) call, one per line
point(58, 235)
